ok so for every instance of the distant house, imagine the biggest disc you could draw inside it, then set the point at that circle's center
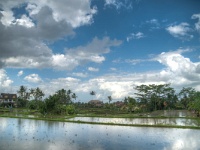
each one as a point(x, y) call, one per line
point(8, 99)
point(96, 103)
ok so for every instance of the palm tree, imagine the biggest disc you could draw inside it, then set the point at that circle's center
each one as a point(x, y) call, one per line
point(69, 92)
point(22, 92)
point(38, 94)
point(74, 96)
point(109, 99)
point(92, 93)
point(63, 96)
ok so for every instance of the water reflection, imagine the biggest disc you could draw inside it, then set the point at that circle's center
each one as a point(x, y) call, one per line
point(48, 135)
point(143, 121)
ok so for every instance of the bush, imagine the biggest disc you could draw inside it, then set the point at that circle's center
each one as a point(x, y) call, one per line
point(70, 109)
point(32, 104)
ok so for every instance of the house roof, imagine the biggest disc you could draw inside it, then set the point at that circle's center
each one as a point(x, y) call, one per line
point(8, 95)
point(95, 101)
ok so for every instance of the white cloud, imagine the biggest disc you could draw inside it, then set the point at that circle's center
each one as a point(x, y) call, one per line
point(5, 81)
point(24, 21)
point(154, 24)
point(81, 55)
point(113, 69)
point(153, 21)
point(178, 70)
point(20, 73)
point(181, 31)
point(134, 61)
point(137, 35)
point(33, 78)
point(93, 69)
point(197, 25)
point(80, 74)
point(118, 4)
point(76, 12)
point(60, 83)
point(23, 46)
point(7, 17)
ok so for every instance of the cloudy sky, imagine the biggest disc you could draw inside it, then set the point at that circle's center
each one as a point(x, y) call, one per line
point(108, 46)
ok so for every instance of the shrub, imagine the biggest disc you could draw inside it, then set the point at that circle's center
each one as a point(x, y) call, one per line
point(70, 109)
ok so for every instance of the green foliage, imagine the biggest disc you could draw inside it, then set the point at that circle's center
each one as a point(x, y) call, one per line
point(56, 104)
point(187, 95)
point(43, 108)
point(21, 103)
point(195, 104)
point(156, 97)
point(64, 96)
point(70, 109)
point(32, 104)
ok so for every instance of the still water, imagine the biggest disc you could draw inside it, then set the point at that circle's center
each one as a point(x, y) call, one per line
point(23, 134)
point(143, 121)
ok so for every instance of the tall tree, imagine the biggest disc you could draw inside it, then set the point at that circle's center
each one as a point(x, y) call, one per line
point(186, 96)
point(63, 96)
point(92, 93)
point(74, 96)
point(38, 94)
point(22, 92)
point(109, 99)
point(154, 96)
point(69, 92)
point(195, 104)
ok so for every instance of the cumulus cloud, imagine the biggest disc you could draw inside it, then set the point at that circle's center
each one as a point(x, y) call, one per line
point(93, 69)
point(76, 12)
point(33, 78)
point(154, 24)
point(20, 73)
point(22, 42)
point(5, 81)
point(153, 21)
point(118, 4)
point(181, 31)
point(23, 47)
point(60, 83)
point(178, 70)
point(137, 35)
point(197, 25)
point(92, 52)
point(80, 74)
point(24, 21)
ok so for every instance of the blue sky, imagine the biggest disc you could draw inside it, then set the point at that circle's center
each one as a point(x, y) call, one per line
point(108, 46)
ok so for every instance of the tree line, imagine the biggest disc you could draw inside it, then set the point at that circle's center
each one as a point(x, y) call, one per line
point(148, 98)
point(58, 103)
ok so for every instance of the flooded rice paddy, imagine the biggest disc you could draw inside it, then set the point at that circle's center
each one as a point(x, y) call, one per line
point(17, 133)
point(142, 121)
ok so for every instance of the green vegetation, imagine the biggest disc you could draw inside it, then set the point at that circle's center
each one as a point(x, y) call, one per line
point(62, 104)
point(148, 98)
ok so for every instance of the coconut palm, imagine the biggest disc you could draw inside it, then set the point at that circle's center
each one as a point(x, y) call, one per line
point(22, 92)
point(109, 99)
point(92, 93)
point(74, 96)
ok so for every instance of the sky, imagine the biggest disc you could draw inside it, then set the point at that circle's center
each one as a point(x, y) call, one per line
point(106, 46)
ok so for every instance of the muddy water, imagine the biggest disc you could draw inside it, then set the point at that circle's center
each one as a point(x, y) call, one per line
point(30, 134)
